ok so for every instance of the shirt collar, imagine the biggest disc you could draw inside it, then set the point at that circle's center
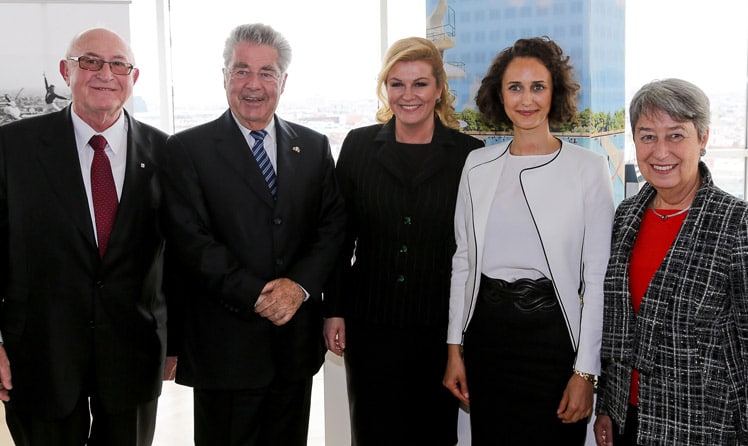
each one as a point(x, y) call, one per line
point(245, 131)
point(115, 133)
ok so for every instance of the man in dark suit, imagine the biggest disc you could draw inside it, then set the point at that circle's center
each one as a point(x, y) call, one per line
point(257, 221)
point(82, 316)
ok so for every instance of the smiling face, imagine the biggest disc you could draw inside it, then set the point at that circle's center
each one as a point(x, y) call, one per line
point(527, 90)
point(412, 92)
point(668, 152)
point(98, 96)
point(253, 82)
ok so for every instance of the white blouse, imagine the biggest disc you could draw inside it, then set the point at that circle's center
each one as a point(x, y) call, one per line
point(512, 247)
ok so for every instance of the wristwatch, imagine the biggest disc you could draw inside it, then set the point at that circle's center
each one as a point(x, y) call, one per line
point(587, 377)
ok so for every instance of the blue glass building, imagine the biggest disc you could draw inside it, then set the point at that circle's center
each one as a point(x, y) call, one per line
point(471, 32)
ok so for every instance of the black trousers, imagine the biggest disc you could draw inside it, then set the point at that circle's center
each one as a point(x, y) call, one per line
point(88, 424)
point(395, 390)
point(518, 360)
point(273, 415)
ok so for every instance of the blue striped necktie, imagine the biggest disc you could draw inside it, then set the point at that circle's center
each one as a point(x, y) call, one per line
point(258, 150)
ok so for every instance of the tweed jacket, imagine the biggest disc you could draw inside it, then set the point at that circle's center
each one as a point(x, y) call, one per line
point(690, 338)
point(571, 202)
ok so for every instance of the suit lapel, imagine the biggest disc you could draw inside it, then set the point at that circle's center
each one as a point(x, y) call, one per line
point(139, 170)
point(58, 157)
point(234, 149)
point(386, 154)
point(482, 180)
point(289, 152)
point(434, 161)
point(436, 158)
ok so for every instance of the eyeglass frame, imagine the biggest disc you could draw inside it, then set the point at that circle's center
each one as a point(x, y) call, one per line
point(264, 75)
point(101, 62)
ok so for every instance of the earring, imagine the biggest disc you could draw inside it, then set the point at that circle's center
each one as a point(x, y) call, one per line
point(703, 151)
point(438, 100)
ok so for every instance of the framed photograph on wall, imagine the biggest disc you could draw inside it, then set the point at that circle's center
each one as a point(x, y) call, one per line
point(34, 37)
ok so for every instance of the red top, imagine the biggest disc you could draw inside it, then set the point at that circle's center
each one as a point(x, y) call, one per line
point(652, 244)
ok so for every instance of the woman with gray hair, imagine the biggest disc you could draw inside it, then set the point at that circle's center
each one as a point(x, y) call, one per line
point(675, 333)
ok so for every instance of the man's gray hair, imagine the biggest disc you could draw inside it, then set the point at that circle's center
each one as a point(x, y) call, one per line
point(259, 34)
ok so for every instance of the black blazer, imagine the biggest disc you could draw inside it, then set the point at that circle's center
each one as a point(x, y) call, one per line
point(400, 222)
point(232, 238)
point(65, 312)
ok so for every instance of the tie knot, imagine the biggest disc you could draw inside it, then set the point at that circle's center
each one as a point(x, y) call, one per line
point(97, 142)
point(258, 134)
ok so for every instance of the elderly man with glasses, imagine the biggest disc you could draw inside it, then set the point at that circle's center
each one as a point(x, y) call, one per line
point(83, 316)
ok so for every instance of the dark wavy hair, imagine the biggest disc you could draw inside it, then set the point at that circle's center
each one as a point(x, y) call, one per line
point(565, 89)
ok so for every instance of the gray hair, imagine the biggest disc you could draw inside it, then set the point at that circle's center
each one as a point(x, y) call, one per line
point(258, 34)
point(680, 99)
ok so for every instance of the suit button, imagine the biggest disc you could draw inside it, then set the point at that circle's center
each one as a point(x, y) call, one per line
point(277, 221)
point(279, 262)
point(99, 284)
point(400, 278)
point(407, 220)
point(404, 249)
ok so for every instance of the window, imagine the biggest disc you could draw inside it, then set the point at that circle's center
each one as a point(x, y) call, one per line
point(330, 87)
point(715, 58)
point(332, 77)
point(333, 73)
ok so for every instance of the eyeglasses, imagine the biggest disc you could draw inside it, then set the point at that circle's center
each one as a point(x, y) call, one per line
point(94, 64)
point(243, 74)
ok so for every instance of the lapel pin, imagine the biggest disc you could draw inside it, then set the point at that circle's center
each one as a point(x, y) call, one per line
point(142, 165)
point(296, 149)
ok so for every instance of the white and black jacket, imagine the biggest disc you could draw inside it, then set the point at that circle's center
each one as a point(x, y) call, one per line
point(570, 199)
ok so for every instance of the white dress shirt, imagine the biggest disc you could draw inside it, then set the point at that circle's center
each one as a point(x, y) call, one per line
point(116, 151)
point(270, 143)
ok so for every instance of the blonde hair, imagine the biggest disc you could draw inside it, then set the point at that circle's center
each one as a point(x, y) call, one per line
point(412, 49)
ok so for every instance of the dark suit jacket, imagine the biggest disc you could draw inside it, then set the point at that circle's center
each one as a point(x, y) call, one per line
point(70, 319)
point(232, 238)
point(401, 224)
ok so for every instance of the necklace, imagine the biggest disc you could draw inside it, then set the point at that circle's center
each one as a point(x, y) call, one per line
point(665, 217)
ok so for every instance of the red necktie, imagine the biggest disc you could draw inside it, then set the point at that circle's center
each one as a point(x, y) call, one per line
point(103, 192)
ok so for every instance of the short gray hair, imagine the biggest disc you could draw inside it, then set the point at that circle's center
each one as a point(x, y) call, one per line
point(258, 34)
point(680, 99)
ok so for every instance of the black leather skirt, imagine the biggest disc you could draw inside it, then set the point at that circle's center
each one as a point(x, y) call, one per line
point(518, 360)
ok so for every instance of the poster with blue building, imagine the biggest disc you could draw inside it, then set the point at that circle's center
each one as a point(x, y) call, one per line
point(470, 33)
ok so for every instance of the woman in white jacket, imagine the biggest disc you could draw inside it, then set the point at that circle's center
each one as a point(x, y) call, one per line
point(532, 223)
